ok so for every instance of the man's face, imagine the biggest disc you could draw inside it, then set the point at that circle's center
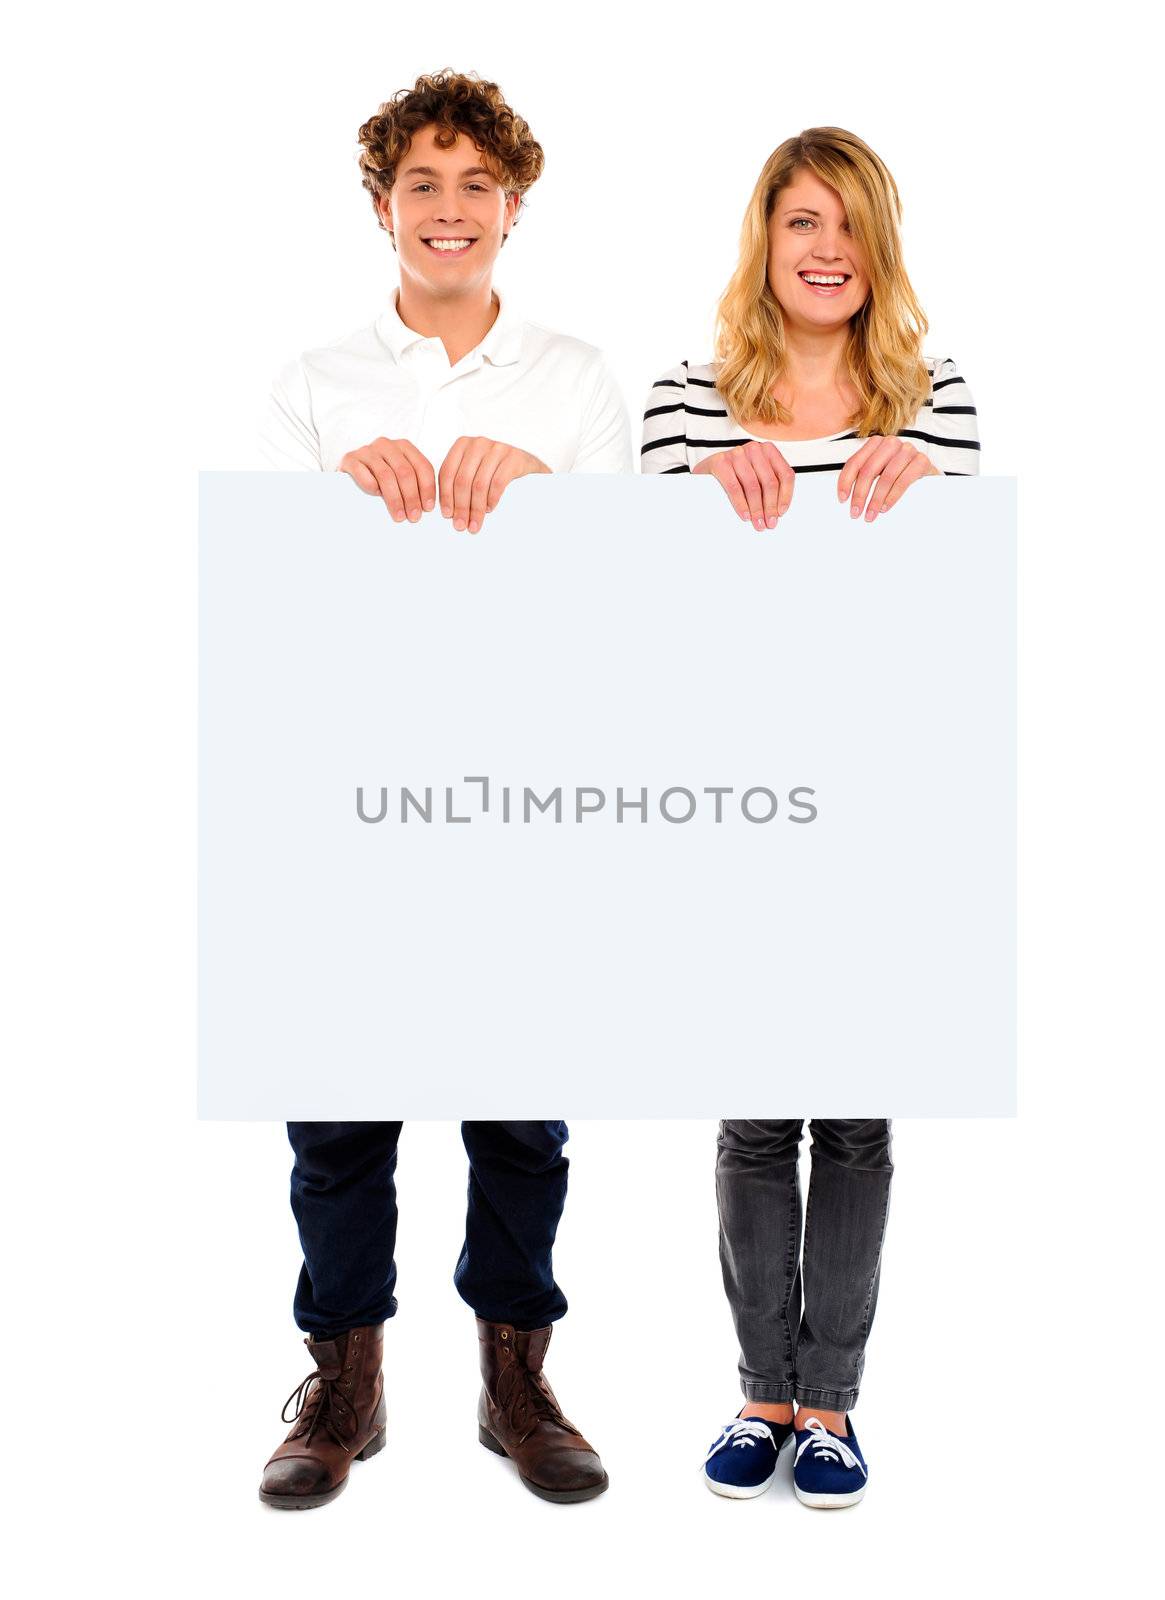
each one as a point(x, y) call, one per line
point(448, 216)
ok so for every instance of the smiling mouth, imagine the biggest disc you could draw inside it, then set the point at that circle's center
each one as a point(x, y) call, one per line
point(450, 247)
point(826, 283)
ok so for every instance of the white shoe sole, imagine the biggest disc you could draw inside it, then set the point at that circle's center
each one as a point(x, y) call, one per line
point(828, 1502)
point(735, 1491)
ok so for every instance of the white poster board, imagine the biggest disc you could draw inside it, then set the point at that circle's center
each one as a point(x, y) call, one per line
point(619, 808)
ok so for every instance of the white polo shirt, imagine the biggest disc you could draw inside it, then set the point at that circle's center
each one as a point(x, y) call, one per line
point(542, 391)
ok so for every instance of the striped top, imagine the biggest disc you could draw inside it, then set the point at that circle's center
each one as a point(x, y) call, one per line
point(686, 420)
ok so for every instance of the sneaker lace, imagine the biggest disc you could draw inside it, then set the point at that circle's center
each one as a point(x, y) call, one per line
point(745, 1432)
point(827, 1446)
point(317, 1406)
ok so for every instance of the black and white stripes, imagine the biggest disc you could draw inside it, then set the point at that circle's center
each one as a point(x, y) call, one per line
point(686, 420)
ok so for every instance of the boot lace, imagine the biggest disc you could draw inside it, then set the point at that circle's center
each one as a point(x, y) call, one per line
point(318, 1408)
point(526, 1399)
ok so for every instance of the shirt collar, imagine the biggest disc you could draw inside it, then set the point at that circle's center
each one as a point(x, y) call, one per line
point(501, 346)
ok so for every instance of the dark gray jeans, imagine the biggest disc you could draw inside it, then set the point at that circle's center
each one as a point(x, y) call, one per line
point(802, 1318)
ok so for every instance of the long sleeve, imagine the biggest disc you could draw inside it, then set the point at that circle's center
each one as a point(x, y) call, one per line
point(665, 433)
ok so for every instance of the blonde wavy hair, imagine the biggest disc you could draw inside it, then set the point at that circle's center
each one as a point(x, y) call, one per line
point(883, 357)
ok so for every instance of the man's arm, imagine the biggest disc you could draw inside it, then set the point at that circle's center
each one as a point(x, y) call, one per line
point(477, 471)
point(605, 442)
point(394, 469)
point(288, 441)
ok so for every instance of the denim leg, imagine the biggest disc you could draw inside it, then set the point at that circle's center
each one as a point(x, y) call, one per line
point(845, 1223)
point(343, 1195)
point(759, 1203)
point(517, 1189)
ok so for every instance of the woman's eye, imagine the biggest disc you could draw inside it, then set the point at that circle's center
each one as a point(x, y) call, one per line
point(796, 222)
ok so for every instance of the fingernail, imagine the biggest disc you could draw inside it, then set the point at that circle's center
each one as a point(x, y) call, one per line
point(855, 510)
point(474, 526)
point(428, 505)
point(459, 524)
point(771, 522)
point(871, 514)
point(414, 516)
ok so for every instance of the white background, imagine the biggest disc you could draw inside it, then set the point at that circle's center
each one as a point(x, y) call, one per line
point(182, 214)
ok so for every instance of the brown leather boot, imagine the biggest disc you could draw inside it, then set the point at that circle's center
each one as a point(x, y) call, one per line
point(518, 1416)
point(339, 1418)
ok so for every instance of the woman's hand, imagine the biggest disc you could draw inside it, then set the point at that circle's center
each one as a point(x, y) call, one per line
point(893, 464)
point(474, 474)
point(756, 478)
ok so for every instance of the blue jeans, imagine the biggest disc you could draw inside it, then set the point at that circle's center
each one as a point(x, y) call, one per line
point(343, 1195)
point(803, 1317)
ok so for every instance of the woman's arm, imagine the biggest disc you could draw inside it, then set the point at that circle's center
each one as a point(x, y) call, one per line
point(665, 432)
point(942, 441)
point(755, 476)
point(948, 428)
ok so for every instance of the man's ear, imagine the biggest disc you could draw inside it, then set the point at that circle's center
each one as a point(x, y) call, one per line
point(384, 208)
point(513, 205)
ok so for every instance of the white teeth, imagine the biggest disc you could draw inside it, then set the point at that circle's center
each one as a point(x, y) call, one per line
point(450, 244)
point(827, 281)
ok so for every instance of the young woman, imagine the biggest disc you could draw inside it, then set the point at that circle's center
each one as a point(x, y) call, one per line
point(819, 368)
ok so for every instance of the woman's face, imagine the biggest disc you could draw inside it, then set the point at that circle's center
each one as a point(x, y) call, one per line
point(816, 270)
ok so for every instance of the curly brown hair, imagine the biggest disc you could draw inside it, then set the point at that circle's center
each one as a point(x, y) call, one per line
point(455, 103)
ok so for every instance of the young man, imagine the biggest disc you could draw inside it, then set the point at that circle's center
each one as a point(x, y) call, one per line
point(448, 395)
point(445, 399)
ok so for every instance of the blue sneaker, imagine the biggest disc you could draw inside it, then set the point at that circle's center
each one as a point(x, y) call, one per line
point(743, 1460)
point(828, 1470)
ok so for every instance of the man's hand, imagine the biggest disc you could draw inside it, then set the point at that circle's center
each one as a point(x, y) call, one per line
point(396, 471)
point(756, 478)
point(473, 476)
point(893, 463)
